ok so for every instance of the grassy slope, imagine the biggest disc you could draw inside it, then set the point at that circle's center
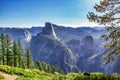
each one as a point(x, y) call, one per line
point(34, 74)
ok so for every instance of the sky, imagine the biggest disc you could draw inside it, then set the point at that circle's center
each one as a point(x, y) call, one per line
point(28, 13)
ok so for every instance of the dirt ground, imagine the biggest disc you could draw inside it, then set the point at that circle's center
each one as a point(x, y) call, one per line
point(8, 76)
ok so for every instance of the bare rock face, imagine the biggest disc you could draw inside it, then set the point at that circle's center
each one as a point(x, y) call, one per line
point(49, 30)
point(88, 42)
point(46, 46)
point(74, 45)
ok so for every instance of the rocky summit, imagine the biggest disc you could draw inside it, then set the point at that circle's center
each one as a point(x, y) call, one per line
point(46, 46)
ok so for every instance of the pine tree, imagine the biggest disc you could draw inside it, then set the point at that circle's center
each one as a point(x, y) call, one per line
point(44, 66)
point(48, 68)
point(3, 49)
point(29, 59)
point(0, 52)
point(108, 16)
point(54, 68)
point(20, 53)
point(23, 61)
point(8, 49)
point(61, 71)
point(39, 66)
point(0, 58)
point(15, 53)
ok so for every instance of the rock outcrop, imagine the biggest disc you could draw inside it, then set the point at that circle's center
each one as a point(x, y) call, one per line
point(46, 46)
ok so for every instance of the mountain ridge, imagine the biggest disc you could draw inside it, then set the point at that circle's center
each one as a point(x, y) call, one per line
point(82, 48)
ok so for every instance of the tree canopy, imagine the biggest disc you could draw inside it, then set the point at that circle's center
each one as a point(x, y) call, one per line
point(108, 14)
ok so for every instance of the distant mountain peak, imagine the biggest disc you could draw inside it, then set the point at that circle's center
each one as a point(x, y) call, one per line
point(49, 30)
point(88, 42)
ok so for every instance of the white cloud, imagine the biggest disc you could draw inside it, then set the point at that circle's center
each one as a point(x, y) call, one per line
point(81, 24)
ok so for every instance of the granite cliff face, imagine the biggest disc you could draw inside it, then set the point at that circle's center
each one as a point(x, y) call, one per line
point(68, 48)
point(68, 33)
point(46, 46)
point(87, 53)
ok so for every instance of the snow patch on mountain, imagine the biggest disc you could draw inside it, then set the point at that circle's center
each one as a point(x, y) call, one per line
point(28, 35)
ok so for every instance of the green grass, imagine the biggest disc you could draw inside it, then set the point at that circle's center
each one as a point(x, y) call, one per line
point(34, 74)
point(25, 73)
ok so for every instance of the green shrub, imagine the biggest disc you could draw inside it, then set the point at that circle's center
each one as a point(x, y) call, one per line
point(18, 71)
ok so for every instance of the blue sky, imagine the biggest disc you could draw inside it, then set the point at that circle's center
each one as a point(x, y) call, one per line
point(27, 13)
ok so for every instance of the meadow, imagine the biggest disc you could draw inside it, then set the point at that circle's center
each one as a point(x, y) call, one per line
point(35, 74)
